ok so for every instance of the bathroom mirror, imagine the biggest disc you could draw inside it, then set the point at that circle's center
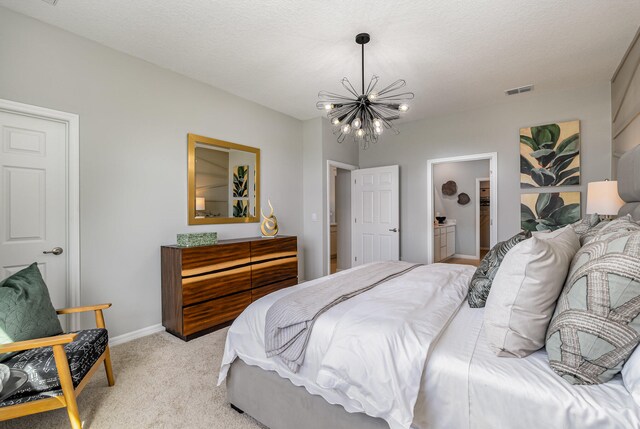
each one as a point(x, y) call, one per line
point(224, 181)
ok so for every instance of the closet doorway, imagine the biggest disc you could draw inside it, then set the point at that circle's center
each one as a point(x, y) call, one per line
point(338, 216)
point(458, 238)
point(483, 216)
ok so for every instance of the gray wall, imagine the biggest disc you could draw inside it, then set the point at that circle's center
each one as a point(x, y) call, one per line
point(464, 174)
point(625, 102)
point(134, 120)
point(320, 145)
point(491, 129)
point(343, 217)
point(313, 171)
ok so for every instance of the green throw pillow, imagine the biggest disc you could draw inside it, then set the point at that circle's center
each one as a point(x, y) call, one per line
point(26, 311)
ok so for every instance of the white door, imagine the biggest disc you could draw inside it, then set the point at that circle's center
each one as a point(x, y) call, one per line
point(376, 214)
point(33, 192)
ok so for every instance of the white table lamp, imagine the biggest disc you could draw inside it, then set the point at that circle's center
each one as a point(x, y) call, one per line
point(200, 203)
point(603, 198)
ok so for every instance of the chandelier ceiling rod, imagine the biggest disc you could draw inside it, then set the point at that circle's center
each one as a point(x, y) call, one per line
point(362, 39)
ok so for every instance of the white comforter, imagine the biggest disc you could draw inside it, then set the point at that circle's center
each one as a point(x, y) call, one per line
point(366, 353)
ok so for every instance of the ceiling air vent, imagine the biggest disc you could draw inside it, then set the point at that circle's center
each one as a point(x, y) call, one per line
point(520, 90)
point(51, 2)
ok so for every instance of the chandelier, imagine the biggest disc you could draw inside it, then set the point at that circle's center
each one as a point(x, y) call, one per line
point(367, 114)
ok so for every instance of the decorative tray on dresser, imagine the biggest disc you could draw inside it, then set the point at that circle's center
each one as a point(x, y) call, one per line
point(206, 287)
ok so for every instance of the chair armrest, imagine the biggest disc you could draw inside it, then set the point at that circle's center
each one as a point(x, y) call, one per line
point(83, 309)
point(37, 343)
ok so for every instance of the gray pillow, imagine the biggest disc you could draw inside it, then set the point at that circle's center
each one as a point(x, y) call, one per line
point(480, 283)
point(596, 327)
point(586, 224)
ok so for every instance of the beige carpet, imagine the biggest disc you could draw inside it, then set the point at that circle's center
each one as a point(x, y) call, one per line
point(161, 382)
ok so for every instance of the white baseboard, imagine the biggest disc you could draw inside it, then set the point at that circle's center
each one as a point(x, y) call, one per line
point(136, 334)
point(460, 256)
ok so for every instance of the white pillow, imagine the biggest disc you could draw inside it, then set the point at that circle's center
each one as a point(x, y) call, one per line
point(631, 375)
point(525, 290)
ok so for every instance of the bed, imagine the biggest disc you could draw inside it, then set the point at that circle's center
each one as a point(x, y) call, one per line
point(462, 383)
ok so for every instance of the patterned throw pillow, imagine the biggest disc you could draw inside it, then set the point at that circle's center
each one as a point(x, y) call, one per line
point(480, 283)
point(585, 226)
point(596, 326)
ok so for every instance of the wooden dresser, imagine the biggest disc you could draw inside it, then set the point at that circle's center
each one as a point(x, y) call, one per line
point(204, 288)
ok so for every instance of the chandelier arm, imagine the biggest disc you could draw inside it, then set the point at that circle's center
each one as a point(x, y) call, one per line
point(385, 110)
point(400, 83)
point(341, 112)
point(384, 116)
point(402, 96)
point(372, 84)
point(328, 95)
point(349, 87)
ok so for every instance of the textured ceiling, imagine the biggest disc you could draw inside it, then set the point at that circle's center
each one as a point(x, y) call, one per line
point(454, 54)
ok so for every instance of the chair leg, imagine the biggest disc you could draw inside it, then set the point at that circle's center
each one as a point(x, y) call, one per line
point(67, 386)
point(107, 367)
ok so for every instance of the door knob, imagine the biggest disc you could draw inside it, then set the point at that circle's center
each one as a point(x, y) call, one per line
point(394, 230)
point(56, 251)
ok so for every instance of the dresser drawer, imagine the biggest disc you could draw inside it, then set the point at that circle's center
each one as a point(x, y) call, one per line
point(214, 285)
point(269, 248)
point(211, 313)
point(266, 290)
point(204, 259)
point(265, 273)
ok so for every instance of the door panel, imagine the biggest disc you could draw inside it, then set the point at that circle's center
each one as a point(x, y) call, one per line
point(24, 190)
point(33, 192)
point(376, 214)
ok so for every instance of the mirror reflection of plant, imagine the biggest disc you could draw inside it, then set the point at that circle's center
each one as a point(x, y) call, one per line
point(240, 178)
point(553, 159)
point(240, 209)
point(550, 213)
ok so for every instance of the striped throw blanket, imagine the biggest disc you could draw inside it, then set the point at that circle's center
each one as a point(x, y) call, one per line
point(290, 319)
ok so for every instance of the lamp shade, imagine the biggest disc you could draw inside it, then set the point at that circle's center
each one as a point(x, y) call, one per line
point(199, 203)
point(603, 198)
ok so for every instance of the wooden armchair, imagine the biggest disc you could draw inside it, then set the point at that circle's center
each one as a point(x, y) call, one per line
point(69, 391)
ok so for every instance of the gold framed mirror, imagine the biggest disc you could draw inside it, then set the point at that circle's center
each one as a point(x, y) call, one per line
point(224, 181)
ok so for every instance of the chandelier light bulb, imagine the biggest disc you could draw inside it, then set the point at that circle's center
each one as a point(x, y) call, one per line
point(360, 132)
point(403, 107)
point(377, 123)
point(373, 96)
point(378, 130)
point(328, 106)
point(356, 123)
point(346, 129)
point(335, 121)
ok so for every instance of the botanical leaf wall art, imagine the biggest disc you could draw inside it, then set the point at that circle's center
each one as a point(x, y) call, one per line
point(240, 208)
point(550, 155)
point(549, 211)
point(240, 181)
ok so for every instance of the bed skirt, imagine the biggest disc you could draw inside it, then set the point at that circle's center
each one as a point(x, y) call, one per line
point(277, 403)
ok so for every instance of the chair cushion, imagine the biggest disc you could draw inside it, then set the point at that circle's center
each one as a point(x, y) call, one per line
point(40, 366)
point(26, 311)
point(480, 283)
